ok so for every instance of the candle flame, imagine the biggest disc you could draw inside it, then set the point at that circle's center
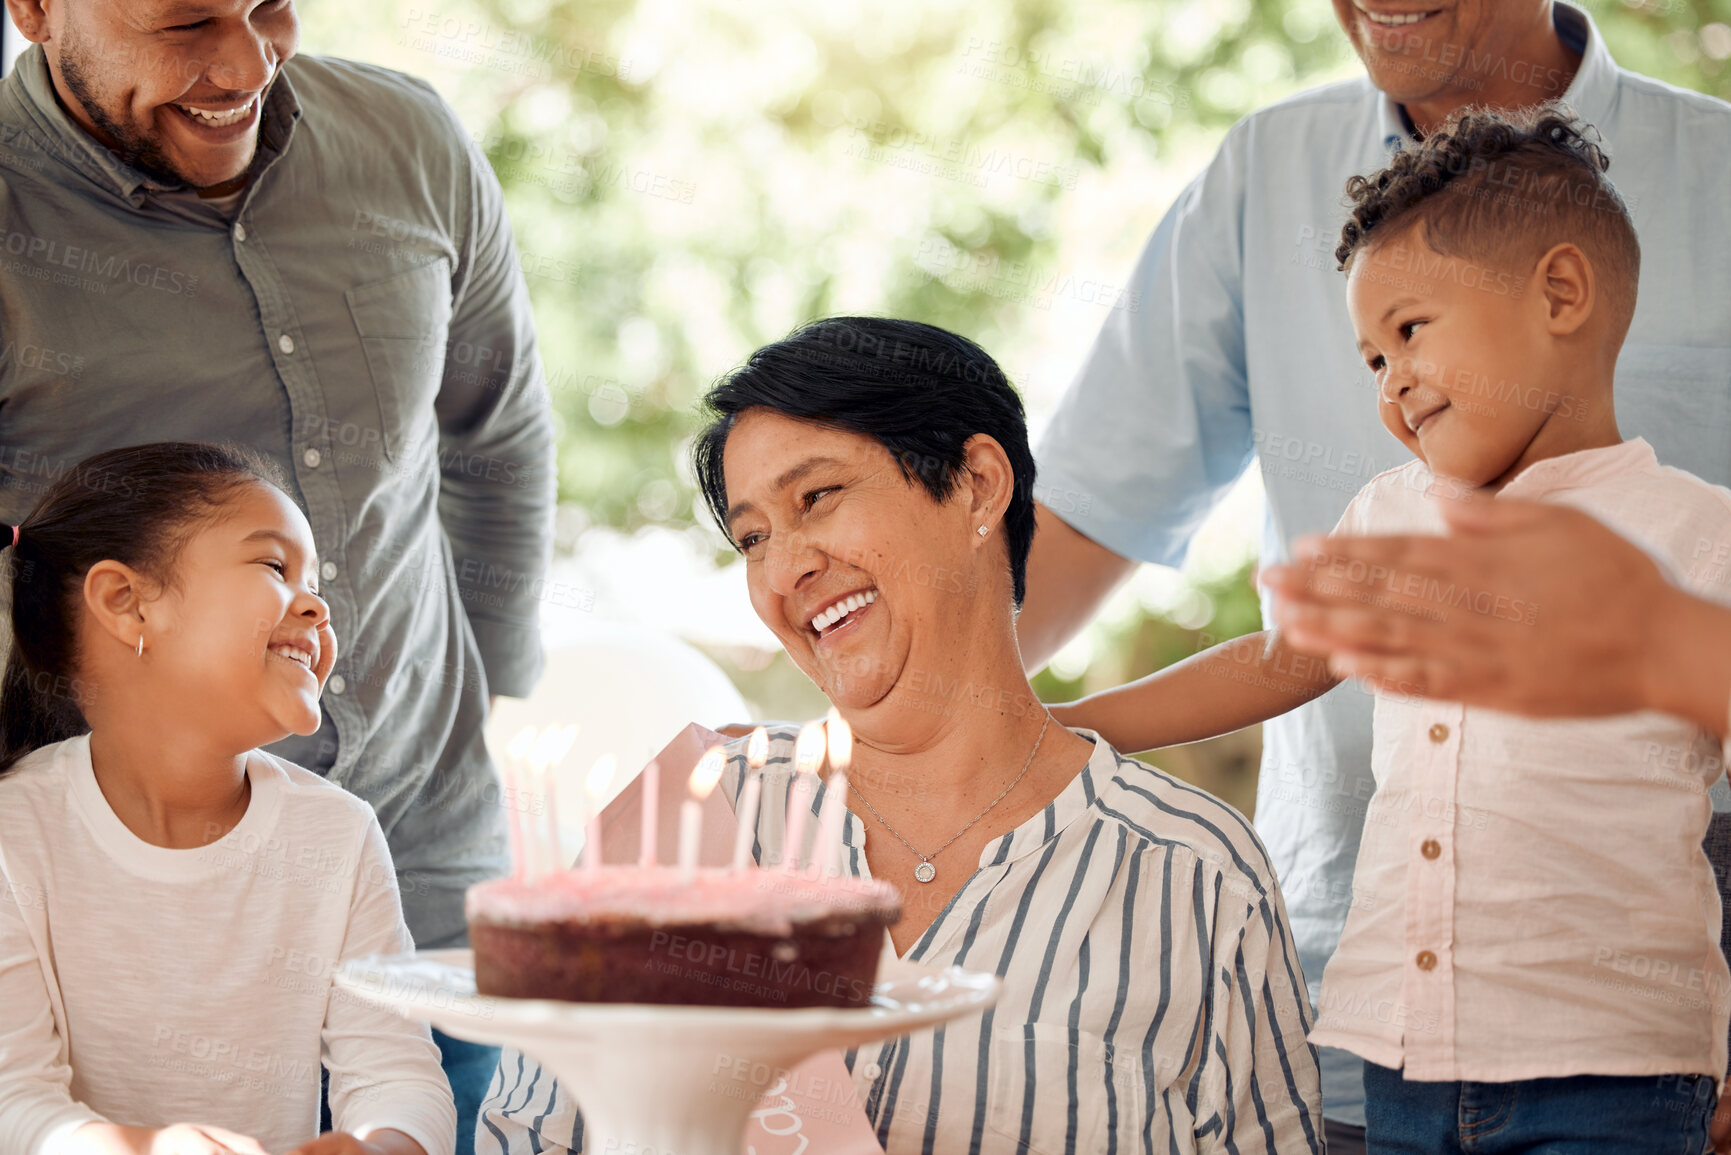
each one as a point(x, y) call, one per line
point(707, 772)
point(552, 746)
point(808, 748)
point(520, 746)
point(840, 740)
point(601, 776)
point(757, 748)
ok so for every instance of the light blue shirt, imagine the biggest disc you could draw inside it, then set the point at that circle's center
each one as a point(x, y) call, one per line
point(1241, 350)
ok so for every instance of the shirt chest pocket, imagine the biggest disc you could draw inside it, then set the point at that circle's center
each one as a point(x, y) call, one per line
point(403, 322)
point(1056, 1090)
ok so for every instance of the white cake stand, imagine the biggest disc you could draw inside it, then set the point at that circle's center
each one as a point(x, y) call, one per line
point(661, 1079)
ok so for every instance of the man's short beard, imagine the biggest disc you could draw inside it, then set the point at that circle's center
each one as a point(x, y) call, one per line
point(134, 148)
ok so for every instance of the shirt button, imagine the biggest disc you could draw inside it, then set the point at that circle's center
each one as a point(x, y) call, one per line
point(336, 685)
point(286, 343)
point(1439, 733)
point(1425, 960)
point(873, 1071)
point(1430, 848)
point(239, 231)
point(328, 571)
point(312, 457)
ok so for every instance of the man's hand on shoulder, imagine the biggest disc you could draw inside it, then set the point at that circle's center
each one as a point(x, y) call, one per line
point(1529, 607)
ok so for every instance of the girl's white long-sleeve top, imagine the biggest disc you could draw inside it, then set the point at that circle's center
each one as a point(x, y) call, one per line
point(147, 986)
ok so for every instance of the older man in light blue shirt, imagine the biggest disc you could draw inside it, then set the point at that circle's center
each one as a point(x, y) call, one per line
point(1241, 349)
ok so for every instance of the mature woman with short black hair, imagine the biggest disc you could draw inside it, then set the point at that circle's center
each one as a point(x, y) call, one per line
point(875, 474)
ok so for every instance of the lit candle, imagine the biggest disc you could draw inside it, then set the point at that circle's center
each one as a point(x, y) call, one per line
point(554, 855)
point(826, 855)
point(515, 768)
point(600, 778)
point(808, 751)
point(704, 776)
point(651, 814)
point(750, 797)
point(550, 751)
point(750, 802)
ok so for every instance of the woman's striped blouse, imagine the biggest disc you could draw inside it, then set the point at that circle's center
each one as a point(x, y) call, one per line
point(1152, 998)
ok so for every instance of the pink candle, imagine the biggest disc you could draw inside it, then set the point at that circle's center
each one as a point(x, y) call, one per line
point(646, 851)
point(808, 751)
point(750, 801)
point(600, 778)
point(704, 776)
point(750, 797)
point(690, 830)
point(826, 855)
point(550, 750)
point(514, 768)
point(513, 791)
point(555, 855)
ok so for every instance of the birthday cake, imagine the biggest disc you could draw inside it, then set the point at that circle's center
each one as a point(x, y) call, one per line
point(746, 938)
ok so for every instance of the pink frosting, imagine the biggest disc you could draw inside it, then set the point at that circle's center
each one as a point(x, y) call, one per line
point(761, 901)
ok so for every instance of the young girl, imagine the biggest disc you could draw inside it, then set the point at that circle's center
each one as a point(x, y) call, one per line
point(173, 900)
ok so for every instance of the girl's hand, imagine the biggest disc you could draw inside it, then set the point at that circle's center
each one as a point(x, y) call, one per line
point(335, 1143)
point(202, 1139)
point(178, 1139)
point(382, 1142)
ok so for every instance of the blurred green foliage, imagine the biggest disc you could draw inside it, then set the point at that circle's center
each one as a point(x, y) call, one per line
point(691, 178)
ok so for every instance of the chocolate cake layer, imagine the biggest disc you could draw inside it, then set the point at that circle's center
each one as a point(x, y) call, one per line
point(691, 965)
point(624, 935)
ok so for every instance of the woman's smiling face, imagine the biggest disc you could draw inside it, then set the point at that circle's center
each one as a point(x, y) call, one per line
point(865, 579)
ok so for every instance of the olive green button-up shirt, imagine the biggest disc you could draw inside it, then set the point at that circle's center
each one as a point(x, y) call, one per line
point(361, 317)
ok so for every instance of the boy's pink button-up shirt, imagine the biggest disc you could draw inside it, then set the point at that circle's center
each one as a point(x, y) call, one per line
point(1531, 898)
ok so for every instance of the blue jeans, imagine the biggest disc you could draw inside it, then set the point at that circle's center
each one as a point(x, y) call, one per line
point(1578, 1115)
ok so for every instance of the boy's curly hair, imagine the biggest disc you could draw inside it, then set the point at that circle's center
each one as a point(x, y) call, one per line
point(1502, 188)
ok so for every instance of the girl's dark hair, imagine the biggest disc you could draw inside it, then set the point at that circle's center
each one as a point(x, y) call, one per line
point(917, 390)
point(138, 506)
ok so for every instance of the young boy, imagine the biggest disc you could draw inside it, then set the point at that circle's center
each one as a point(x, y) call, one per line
point(1531, 959)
